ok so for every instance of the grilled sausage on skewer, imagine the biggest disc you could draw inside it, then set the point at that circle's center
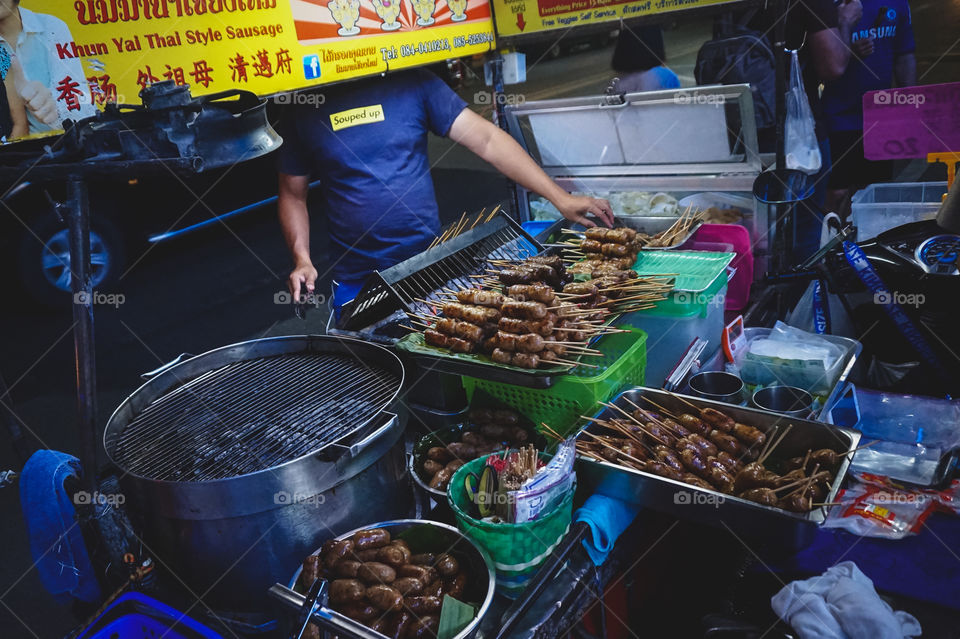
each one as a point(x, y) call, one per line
point(455, 344)
point(591, 246)
point(480, 297)
point(478, 315)
point(532, 293)
point(749, 435)
point(461, 329)
point(525, 310)
point(717, 420)
point(615, 250)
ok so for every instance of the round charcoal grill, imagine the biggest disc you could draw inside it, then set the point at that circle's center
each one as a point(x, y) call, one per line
point(252, 415)
point(242, 460)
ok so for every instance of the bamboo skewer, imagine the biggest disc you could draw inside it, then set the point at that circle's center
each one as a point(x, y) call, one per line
point(853, 450)
point(773, 446)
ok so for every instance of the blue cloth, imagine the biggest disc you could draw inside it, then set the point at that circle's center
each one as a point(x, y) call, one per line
point(56, 541)
point(922, 566)
point(888, 23)
point(667, 78)
point(607, 519)
point(373, 169)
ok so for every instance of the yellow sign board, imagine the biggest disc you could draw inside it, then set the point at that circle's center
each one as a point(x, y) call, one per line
point(520, 17)
point(70, 57)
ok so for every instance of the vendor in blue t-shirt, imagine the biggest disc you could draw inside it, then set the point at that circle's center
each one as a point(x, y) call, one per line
point(367, 144)
point(882, 45)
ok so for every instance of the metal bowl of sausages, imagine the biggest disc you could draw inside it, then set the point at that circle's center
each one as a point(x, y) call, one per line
point(653, 484)
point(437, 455)
point(391, 577)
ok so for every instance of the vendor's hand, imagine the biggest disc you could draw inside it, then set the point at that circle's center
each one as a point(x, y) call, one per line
point(849, 12)
point(302, 280)
point(40, 102)
point(576, 207)
point(862, 47)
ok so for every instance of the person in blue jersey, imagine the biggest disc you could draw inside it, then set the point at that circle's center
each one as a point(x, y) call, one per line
point(883, 55)
point(639, 59)
point(367, 145)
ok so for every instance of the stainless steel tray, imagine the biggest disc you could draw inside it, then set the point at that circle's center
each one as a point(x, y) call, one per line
point(743, 518)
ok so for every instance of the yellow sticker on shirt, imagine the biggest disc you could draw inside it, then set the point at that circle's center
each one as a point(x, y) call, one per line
point(356, 117)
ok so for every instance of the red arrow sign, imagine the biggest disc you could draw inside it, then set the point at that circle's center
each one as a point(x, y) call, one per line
point(520, 23)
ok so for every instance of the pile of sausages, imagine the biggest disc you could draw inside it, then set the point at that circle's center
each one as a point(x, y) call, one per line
point(714, 452)
point(490, 431)
point(520, 329)
point(547, 269)
point(378, 582)
point(601, 289)
point(607, 249)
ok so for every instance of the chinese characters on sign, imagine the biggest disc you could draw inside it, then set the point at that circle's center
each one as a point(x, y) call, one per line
point(80, 55)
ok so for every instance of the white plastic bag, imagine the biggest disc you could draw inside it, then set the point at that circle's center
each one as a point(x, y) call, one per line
point(802, 149)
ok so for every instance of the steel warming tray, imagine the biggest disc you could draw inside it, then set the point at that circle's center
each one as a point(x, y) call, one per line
point(744, 518)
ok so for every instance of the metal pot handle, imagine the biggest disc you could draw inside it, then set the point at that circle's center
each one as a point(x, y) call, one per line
point(323, 616)
point(357, 447)
point(182, 357)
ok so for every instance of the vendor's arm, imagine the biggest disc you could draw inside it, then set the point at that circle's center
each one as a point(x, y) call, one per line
point(295, 222)
point(904, 45)
point(499, 149)
point(828, 33)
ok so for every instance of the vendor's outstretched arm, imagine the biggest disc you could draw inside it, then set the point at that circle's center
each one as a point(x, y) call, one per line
point(499, 149)
point(295, 222)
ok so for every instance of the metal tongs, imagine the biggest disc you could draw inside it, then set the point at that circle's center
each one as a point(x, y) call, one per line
point(313, 608)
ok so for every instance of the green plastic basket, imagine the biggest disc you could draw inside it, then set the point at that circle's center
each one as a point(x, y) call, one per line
point(560, 406)
point(517, 550)
point(696, 270)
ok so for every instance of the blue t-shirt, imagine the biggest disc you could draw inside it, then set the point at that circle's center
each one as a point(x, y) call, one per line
point(367, 144)
point(888, 22)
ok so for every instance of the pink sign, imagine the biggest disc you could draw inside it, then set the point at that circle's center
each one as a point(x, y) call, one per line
point(911, 122)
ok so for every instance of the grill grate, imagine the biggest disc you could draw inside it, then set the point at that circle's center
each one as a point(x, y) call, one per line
point(448, 265)
point(252, 415)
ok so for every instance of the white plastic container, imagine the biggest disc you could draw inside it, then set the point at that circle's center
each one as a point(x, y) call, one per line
point(881, 207)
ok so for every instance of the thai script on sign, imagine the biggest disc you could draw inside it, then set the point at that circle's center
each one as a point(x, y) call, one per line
point(106, 11)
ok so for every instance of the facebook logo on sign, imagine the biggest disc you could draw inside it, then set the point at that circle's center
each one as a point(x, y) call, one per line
point(311, 66)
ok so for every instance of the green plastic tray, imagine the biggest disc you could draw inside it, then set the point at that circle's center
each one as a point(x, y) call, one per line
point(696, 270)
point(623, 364)
point(414, 343)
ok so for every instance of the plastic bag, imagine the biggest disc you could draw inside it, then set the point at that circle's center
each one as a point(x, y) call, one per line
point(547, 488)
point(947, 498)
point(870, 511)
point(816, 303)
point(802, 149)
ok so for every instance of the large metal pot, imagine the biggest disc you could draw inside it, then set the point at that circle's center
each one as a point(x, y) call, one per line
point(232, 533)
point(480, 589)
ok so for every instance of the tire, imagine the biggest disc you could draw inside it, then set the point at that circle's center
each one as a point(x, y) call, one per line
point(43, 259)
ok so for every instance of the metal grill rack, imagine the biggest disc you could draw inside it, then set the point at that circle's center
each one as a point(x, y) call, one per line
point(376, 312)
point(247, 416)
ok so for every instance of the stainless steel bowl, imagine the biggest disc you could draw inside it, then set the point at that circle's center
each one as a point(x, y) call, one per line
point(719, 386)
point(786, 400)
point(470, 555)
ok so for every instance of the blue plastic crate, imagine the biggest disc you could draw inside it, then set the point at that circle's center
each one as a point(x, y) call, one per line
point(136, 616)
